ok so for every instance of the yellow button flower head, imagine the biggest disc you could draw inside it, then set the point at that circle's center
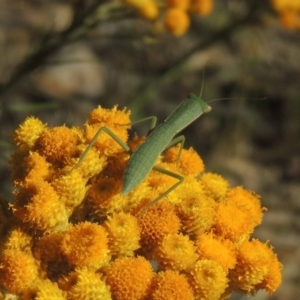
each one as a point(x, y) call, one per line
point(86, 284)
point(208, 280)
point(135, 142)
point(38, 205)
point(57, 144)
point(86, 244)
point(195, 210)
point(215, 186)
point(214, 248)
point(190, 162)
point(158, 221)
point(202, 7)
point(37, 167)
point(112, 116)
point(175, 252)
point(104, 197)
point(170, 285)
point(177, 21)
point(248, 201)
point(273, 279)
point(47, 250)
point(71, 189)
point(45, 290)
point(123, 234)
point(18, 270)
point(160, 182)
point(91, 165)
point(28, 132)
point(129, 278)
point(116, 120)
point(233, 222)
point(17, 239)
point(254, 260)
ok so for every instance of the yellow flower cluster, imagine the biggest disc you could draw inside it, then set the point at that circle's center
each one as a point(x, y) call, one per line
point(71, 234)
point(173, 15)
point(289, 12)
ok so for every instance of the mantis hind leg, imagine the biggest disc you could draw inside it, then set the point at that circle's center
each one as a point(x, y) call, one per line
point(179, 139)
point(114, 137)
point(93, 141)
point(169, 190)
point(152, 124)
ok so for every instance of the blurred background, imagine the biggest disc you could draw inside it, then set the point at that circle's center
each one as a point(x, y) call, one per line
point(61, 59)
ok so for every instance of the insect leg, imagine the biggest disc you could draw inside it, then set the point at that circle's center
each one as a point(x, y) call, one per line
point(179, 139)
point(111, 134)
point(169, 190)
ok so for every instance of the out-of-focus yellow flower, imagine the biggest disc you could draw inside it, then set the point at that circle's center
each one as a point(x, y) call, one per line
point(129, 278)
point(135, 3)
point(86, 244)
point(290, 19)
point(176, 21)
point(28, 132)
point(181, 4)
point(149, 10)
point(170, 285)
point(157, 222)
point(85, 284)
point(285, 5)
point(202, 7)
point(254, 260)
point(38, 205)
point(175, 252)
point(214, 248)
point(189, 163)
point(215, 186)
point(208, 280)
point(18, 270)
point(289, 12)
point(123, 234)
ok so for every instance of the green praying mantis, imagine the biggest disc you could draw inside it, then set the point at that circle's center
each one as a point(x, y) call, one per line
point(161, 137)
